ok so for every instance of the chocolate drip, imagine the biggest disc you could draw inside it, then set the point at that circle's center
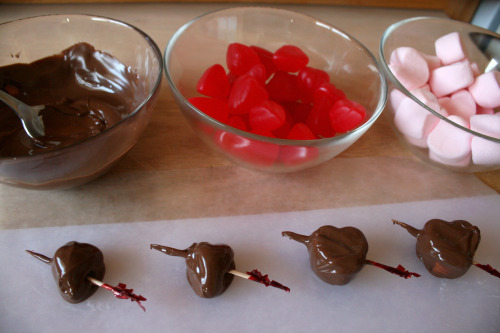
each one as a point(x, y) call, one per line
point(71, 265)
point(445, 248)
point(207, 265)
point(336, 255)
point(84, 91)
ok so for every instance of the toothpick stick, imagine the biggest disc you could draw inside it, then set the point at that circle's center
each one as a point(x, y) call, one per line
point(120, 291)
point(240, 274)
point(257, 276)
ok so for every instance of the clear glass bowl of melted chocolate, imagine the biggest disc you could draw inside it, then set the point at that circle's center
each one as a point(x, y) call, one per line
point(98, 79)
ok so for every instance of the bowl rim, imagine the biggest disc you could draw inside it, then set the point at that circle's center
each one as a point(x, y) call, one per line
point(290, 142)
point(154, 89)
point(384, 63)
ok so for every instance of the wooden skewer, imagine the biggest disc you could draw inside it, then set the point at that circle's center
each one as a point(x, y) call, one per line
point(120, 291)
point(257, 276)
point(240, 274)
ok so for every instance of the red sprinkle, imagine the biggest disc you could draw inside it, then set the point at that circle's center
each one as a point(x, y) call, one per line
point(489, 269)
point(122, 292)
point(257, 276)
point(400, 270)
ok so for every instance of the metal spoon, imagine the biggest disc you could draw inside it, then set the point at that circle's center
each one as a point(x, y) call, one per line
point(32, 122)
point(490, 46)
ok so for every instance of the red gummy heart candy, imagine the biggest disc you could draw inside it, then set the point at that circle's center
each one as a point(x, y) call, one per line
point(282, 131)
point(328, 93)
point(291, 155)
point(282, 87)
point(246, 93)
point(298, 111)
point(346, 115)
point(300, 131)
point(290, 58)
point(266, 116)
point(237, 122)
point(240, 58)
point(266, 58)
point(318, 119)
point(308, 80)
point(247, 150)
point(259, 72)
point(212, 107)
point(214, 82)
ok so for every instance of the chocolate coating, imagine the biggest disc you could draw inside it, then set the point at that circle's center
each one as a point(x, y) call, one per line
point(207, 265)
point(446, 248)
point(71, 265)
point(336, 255)
point(85, 91)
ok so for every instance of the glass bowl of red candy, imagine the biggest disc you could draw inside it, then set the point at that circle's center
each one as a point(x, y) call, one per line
point(444, 91)
point(271, 89)
point(98, 80)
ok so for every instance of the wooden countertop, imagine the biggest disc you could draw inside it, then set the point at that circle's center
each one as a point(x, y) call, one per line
point(171, 174)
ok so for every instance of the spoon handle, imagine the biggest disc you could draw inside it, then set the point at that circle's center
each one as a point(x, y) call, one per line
point(32, 122)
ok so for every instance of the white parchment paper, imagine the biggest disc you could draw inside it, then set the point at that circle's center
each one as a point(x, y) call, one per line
point(375, 301)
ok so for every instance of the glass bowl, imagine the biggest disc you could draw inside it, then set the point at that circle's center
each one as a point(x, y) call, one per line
point(203, 42)
point(458, 147)
point(30, 39)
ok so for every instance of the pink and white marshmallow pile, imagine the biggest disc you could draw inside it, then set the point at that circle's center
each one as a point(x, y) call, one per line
point(450, 84)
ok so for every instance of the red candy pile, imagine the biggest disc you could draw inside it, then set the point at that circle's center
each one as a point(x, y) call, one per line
point(275, 95)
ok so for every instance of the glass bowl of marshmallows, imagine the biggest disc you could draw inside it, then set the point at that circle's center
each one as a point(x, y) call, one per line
point(444, 91)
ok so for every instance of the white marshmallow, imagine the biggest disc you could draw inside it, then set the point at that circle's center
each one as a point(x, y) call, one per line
point(449, 48)
point(409, 67)
point(449, 144)
point(448, 79)
point(486, 89)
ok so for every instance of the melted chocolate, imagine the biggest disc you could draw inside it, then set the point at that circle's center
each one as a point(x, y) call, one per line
point(336, 255)
point(84, 91)
point(207, 265)
point(71, 265)
point(445, 248)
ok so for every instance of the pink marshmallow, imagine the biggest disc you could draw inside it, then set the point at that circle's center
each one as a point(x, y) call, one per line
point(459, 163)
point(412, 119)
point(485, 151)
point(475, 69)
point(448, 79)
point(481, 110)
point(449, 144)
point(427, 97)
point(432, 61)
point(487, 124)
point(486, 89)
point(395, 98)
point(421, 143)
point(450, 49)
point(409, 67)
point(460, 103)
